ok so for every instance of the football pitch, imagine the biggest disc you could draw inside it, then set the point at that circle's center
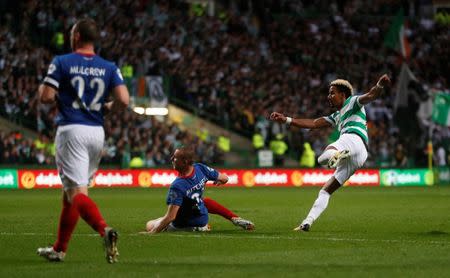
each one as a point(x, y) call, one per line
point(372, 232)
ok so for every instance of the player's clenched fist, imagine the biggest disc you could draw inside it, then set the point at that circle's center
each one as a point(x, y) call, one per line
point(277, 117)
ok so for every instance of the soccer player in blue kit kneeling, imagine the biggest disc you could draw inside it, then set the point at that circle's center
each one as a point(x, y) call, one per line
point(187, 210)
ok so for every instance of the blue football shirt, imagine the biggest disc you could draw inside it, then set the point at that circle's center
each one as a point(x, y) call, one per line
point(83, 83)
point(187, 192)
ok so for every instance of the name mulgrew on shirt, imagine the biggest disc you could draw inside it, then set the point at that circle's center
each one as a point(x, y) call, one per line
point(87, 71)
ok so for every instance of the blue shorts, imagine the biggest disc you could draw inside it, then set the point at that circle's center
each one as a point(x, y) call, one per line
point(193, 221)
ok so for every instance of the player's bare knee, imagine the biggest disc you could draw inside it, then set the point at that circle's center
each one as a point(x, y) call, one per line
point(331, 186)
point(72, 192)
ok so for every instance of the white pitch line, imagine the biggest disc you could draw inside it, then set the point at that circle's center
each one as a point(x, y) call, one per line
point(265, 237)
point(313, 238)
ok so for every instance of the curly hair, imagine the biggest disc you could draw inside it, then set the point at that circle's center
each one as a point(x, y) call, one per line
point(343, 86)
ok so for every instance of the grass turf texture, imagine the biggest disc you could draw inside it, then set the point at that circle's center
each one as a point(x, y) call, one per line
point(370, 232)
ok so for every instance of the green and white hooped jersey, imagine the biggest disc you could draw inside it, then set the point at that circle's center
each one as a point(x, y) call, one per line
point(350, 119)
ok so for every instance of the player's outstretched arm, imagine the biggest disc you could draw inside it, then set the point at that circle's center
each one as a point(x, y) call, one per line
point(164, 221)
point(221, 179)
point(302, 123)
point(376, 91)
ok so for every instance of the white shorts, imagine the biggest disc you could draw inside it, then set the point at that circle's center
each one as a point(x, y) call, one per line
point(358, 155)
point(78, 153)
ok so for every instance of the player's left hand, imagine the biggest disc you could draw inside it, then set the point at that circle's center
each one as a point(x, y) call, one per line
point(277, 117)
point(218, 183)
point(107, 107)
point(384, 80)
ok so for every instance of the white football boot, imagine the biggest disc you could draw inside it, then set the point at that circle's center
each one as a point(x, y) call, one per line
point(243, 223)
point(50, 254)
point(306, 225)
point(338, 157)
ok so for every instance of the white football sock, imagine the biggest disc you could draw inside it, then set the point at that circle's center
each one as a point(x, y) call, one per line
point(318, 207)
point(325, 156)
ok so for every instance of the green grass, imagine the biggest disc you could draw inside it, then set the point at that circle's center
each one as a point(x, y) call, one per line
point(371, 232)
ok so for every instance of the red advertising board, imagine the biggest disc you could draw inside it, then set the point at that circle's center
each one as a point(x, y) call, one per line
point(300, 177)
point(29, 179)
point(364, 177)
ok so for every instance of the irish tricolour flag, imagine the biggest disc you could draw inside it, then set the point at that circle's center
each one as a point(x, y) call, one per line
point(396, 36)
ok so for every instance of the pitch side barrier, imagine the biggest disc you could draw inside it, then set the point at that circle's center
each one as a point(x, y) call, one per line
point(148, 178)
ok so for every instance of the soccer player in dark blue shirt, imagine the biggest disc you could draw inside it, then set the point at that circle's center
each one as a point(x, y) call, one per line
point(187, 209)
point(80, 83)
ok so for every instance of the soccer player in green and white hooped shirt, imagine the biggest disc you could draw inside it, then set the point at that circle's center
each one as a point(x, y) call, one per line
point(349, 152)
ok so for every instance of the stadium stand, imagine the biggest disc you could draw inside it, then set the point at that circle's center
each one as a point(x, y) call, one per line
point(231, 69)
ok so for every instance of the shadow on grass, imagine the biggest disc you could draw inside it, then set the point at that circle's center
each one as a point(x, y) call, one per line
point(434, 233)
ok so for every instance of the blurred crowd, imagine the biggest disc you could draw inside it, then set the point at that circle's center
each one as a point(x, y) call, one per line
point(128, 136)
point(251, 58)
point(16, 148)
point(152, 141)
